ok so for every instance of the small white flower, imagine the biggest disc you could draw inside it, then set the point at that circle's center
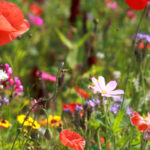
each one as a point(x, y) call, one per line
point(100, 55)
point(3, 76)
point(117, 74)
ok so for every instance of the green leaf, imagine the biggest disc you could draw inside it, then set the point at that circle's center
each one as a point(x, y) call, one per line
point(65, 41)
point(82, 40)
point(117, 121)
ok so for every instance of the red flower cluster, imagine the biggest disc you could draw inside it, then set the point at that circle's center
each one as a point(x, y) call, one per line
point(142, 123)
point(81, 92)
point(142, 46)
point(72, 139)
point(12, 22)
point(35, 9)
point(71, 107)
point(137, 4)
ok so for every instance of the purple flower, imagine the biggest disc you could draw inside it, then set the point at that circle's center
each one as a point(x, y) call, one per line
point(78, 108)
point(118, 99)
point(129, 111)
point(93, 102)
point(114, 108)
point(106, 90)
point(144, 36)
point(5, 100)
point(35, 20)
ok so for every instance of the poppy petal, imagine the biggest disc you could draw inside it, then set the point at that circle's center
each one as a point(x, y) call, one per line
point(5, 25)
point(136, 120)
point(137, 4)
point(12, 22)
point(72, 139)
point(142, 127)
point(12, 13)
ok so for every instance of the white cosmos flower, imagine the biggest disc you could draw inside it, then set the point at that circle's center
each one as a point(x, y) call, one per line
point(3, 76)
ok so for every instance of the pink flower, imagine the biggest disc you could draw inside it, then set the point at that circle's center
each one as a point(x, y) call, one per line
point(35, 20)
point(106, 90)
point(46, 76)
point(130, 13)
point(111, 5)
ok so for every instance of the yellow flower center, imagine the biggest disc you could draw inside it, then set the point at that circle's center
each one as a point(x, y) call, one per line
point(93, 84)
point(104, 92)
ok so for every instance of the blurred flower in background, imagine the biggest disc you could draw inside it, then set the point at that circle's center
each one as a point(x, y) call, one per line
point(36, 10)
point(35, 20)
point(4, 124)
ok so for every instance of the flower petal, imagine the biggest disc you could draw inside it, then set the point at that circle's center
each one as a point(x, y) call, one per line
point(137, 4)
point(136, 120)
point(116, 92)
point(142, 127)
point(5, 25)
point(111, 85)
point(12, 13)
point(101, 82)
point(72, 139)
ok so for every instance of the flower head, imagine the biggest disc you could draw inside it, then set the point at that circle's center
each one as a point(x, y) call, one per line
point(12, 22)
point(3, 75)
point(111, 4)
point(105, 90)
point(137, 4)
point(142, 123)
point(72, 139)
point(81, 92)
point(4, 124)
point(35, 9)
point(35, 20)
point(46, 76)
point(29, 122)
point(72, 107)
point(53, 121)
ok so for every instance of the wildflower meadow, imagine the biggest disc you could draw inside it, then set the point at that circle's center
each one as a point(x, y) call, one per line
point(75, 75)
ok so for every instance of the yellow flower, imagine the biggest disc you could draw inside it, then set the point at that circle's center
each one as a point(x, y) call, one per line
point(4, 124)
point(29, 122)
point(53, 121)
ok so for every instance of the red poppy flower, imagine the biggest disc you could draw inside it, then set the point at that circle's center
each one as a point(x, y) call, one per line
point(142, 46)
point(81, 92)
point(36, 9)
point(137, 4)
point(72, 139)
point(12, 22)
point(102, 140)
point(71, 107)
point(140, 122)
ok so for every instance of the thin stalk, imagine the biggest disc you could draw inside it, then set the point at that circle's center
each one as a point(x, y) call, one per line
point(132, 50)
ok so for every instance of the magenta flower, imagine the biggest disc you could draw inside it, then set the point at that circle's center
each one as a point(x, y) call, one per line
point(35, 20)
point(46, 76)
point(106, 90)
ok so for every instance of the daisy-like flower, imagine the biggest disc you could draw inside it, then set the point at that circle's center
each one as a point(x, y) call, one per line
point(3, 75)
point(4, 124)
point(72, 139)
point(143, 124)
point(106, 90)
point(29, 122)
point(53, 121)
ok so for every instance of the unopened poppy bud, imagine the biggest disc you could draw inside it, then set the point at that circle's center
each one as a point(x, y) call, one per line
point(47, 134)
